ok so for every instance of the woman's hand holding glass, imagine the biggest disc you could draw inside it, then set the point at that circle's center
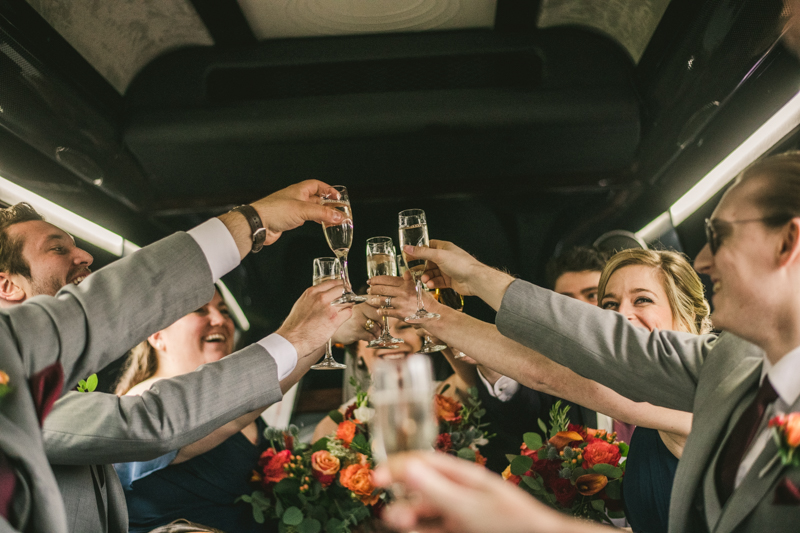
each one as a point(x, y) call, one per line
point(402, 293)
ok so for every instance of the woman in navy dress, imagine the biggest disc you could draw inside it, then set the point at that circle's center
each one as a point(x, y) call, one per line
point(201, 481)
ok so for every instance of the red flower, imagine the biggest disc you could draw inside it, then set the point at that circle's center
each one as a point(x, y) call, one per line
point(600, 452)
point(612, 505)
point(346, 432)
point(527, 452)
point(547, 469)
point(444, 443)
point(272, 463)
point(564, 491)
point(348, 414)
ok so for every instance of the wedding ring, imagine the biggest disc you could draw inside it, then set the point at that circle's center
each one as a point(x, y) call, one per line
point(368, 324)
point(388, 301)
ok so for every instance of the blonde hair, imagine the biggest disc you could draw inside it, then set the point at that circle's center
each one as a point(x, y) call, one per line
point(684, 289)
point(141, 364)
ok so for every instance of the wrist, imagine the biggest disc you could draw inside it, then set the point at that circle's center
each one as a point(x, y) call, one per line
point(490, 285)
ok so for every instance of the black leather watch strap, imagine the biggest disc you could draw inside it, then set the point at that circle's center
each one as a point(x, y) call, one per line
point(256, 226)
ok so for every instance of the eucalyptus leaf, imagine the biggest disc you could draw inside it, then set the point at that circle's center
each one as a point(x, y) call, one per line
point(598, 505)
point(292, 516)
point(614, 490)
point(611, 472)
point(521, 464)
point(244, 498)
point(616, 514)
point(336, 416)
point(468, 454)
point(334, 524)
point(533, 482)
point(91, 383)
point(321, 444)
point(543, 427)
point(510, 457)
point(309, 525)
point(258, 514)
point(532, 440)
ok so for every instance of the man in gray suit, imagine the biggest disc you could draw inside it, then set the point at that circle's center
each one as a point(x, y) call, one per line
point(48, 344)
point(730, 477)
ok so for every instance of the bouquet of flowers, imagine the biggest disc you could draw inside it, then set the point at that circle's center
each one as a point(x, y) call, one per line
point(324, 487)
point(460, 429)
point(578, 470)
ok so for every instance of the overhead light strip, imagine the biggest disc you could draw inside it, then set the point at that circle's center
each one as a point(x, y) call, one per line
point(765, 137)
point(84, 229)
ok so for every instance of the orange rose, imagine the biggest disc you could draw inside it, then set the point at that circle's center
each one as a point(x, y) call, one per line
point(447, 409)
point(600, 452)
point(358, 479)
point(562, 438)
point(346, 432)
point(589, 484)
point(324, 466)
point(793, 429)
point(479, 459)
point(3, 378)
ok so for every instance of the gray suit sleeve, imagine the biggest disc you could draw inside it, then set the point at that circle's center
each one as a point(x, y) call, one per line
point(86, 327)
point(99, 428)
point(660, 367)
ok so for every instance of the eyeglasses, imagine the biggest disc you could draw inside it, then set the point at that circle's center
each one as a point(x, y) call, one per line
point(717, 230)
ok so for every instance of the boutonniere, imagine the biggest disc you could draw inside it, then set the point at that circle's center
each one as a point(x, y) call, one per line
point(786, 433)
point(5, 388)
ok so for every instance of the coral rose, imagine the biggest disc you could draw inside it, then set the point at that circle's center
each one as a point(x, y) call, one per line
point(358, 479)
point(564, 491)
point(443, 443)
point(508, 476)
point(527, 452)
point(324, 466)
point(272, 463)
point(447, 409)
point(792, 429)
point(589, 484)
point(479, 459)
point(599, 452)
point(346, 432)
point(3, 378)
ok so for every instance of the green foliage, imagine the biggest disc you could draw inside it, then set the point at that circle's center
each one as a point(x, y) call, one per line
point(321, 444)
point(623, 448)
point(467, 453)
point(360, 444)
point(292, 516)
point(598, 505)
point(559, 419)
point(532, 440)
point(611, 472)
point(521, 464)
point(88, 385)
point(336, 416)
point(535, 483)
point(4, 389)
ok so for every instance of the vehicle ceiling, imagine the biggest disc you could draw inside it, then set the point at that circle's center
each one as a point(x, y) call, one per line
point(520, 126)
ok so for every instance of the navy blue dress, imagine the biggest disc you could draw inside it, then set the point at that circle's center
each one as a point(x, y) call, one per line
point(202, 490)
point(648, 482)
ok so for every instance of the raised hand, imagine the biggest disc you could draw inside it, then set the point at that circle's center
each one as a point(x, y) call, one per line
point(313, 320)
point(354, 329)
point(400, 290)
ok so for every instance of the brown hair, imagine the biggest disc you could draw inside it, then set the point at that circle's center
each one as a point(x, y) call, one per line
point(11, 260)
point(681, 283)
point(140, 364)
point(779, 199)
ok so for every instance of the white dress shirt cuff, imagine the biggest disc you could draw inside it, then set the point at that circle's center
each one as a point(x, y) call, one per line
point(282, 351)
point(504, 388)
point(218, 246)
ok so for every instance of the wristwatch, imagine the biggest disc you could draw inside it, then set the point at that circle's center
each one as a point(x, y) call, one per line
point(256, 226)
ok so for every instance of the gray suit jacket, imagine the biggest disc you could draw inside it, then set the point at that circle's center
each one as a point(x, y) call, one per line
point(84, 328)
point(715, 378)
point(86, 432)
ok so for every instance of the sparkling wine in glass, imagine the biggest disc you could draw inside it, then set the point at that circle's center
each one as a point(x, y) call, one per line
point(403, 399)
point(414, 232)
point(340, 238)
point(382, 261)
point(326, 268)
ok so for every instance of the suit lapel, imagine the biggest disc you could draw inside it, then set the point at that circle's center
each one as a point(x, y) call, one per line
point(758, 481)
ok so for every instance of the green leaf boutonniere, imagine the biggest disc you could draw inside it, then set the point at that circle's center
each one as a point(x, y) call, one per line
point(88, 385)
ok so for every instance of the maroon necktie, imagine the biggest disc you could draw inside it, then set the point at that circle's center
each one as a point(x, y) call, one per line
point(8, 481)
point(739, 440)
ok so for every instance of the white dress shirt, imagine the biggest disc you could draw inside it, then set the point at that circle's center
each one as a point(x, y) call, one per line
point(503, 389)
point(222, 255)
point(785, 379)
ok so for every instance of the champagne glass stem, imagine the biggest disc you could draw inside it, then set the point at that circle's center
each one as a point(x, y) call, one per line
point(345, 275)
point(385, 325)
point(329, 350)
point(418, 286)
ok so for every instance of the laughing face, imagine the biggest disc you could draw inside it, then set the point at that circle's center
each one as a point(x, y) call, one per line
point(53, 258)
point(747, 287)
point(399, 329)
point(203, 336)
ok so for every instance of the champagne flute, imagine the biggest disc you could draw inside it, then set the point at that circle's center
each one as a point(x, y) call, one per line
point(326, 268)
point(403, 400)
point(382, 261)
point(340, 238)
point(414, 232)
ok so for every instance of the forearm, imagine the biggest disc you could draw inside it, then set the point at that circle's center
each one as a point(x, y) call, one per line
point(490, 285)
point(465, 371)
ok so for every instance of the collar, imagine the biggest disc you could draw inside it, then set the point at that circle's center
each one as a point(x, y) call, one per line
point(784, 376)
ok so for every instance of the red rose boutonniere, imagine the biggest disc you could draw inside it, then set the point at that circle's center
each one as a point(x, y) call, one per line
point(786, 432)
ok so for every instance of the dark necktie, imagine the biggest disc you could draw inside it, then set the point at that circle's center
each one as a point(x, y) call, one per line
point(739, 440)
